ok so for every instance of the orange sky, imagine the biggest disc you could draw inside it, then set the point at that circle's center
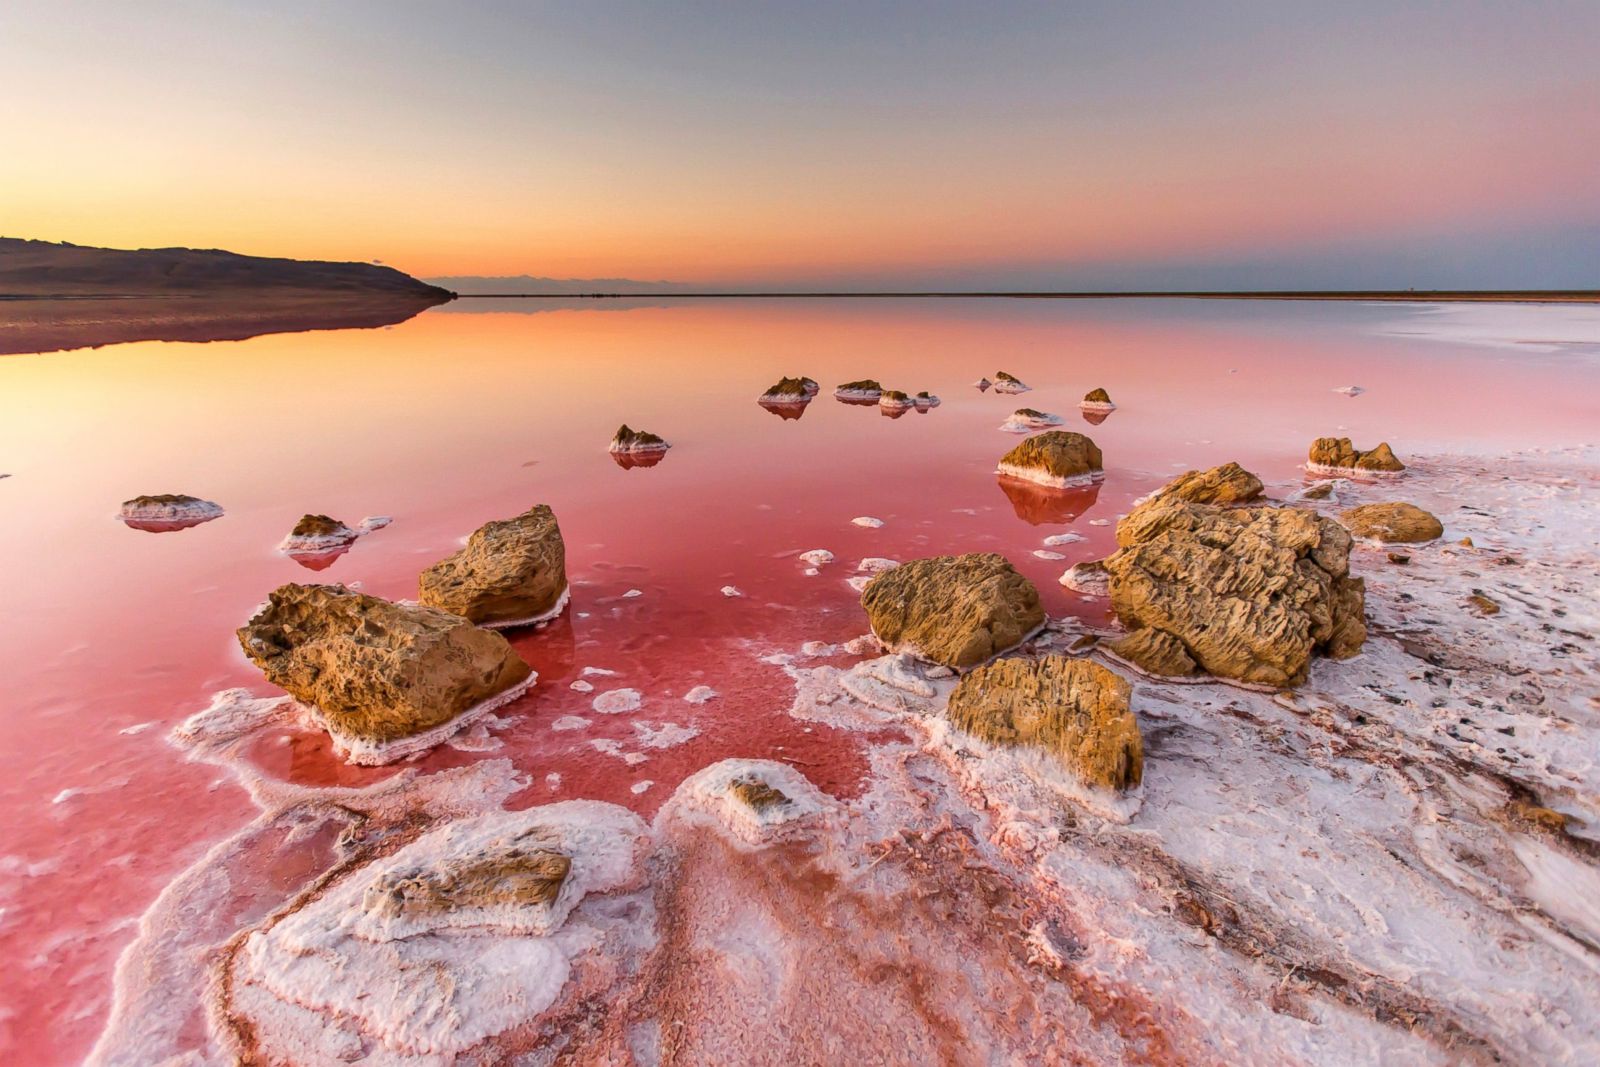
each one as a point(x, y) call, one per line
point(790, 146)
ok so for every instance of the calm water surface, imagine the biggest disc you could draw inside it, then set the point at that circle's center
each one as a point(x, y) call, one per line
point(109, 636)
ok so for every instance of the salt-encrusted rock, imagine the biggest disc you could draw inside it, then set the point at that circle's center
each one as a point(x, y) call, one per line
point(1023, 420)
point(1336, 455)
point(317, 533)
point(512, 572)
point(1074, 709)
point(925, 401)
point(1097, 400)
point(953, 610)
point(385, 680)
point(752, 801)
point(636, 442)
point(167, 511)
point(1089, 577)
point(790, 391)
point(894, 400)
point(865, 389)
point(1153, 651)
point(1058, 458)
point(1251, 592)
point(1395, 521)
point(1008, 383)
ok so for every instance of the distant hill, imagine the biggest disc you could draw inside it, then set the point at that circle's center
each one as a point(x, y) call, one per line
point(44, 269)
point(473, 285)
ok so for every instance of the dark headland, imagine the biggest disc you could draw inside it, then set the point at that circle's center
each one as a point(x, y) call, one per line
point(56, 296)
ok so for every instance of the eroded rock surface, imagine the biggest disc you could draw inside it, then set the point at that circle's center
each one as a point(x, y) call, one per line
point(1396, 521)
point(1226, 484)
point(1252, 593)
point(790, 391)
point(385, 680)
point(1074, 709)
point(512, 572)
point(1154, 651)
point(1058, 458)
point(953, 610)
point(1338, 455)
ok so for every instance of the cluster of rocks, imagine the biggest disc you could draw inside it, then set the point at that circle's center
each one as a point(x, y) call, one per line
point(388, 680)
point(1336, 455)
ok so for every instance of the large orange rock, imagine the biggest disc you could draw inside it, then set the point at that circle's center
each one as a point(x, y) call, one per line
point(954, 610)
point(512, 572)
point(1060, 458)
point(1396, 521)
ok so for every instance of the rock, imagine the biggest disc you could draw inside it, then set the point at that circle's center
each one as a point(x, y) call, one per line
point(982, 385)
point(755, 794)
point(512, 572)
point(925, 401)
point(1097, 400)
point(317, 533)
point(1335, 455)
point(514, 876)
point(386, 680)
point(1319, 491)
point(635, 442)
point(1089, 577)
point(1394, 522)
point(1155, 652)
point(1074, 709)
point(1007, 383)
point(1350, 390)
point(954, 610)
point(864, 390)
point(817, 557)
point(1399, 558)
point(1483, 605)
point(1058, 458)
point(790, 391)
point(1227, 484)
point(167, 511)
point(1251, 593)
point(894, 400)
point(1023, 420)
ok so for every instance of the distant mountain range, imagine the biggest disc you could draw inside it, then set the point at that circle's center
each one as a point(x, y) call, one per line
point(474, 285)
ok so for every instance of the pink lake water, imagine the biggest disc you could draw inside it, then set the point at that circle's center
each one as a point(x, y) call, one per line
point(110, 636)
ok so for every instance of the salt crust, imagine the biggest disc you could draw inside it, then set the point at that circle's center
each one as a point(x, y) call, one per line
point(535, 620)
point(369, 753)
point(707, 798)
point(1032, 474)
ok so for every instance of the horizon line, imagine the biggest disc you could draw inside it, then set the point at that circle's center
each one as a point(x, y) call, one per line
point(1387, 295)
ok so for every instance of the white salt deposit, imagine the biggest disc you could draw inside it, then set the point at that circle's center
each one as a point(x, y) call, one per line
point(731, 591)
point(868, 521)
point(373, 522)
point(367, 752)
point(860, 581)
point(578, 685)
point(1099, 522)
point(664, 734)
point(877, 565)
point(1064, 539)
point(1350, 390)
point(817, 557)
point(1045, 553)
point(534, 620)
point(617, 701)
point(709, 798)
point(1033, 474)
point(640, 787)
point(630, 594)
point(601, 672)
point(569, 722)
point(700, 694)
point(1022, 422)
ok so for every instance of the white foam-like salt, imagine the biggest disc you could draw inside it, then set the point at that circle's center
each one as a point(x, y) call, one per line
point(817, 557)
point(868, 521)
point(1064, 539)
point(700, 694)
point(1054, 481)
point(617, 701)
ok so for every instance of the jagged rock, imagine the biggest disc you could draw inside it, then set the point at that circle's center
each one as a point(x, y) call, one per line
point(1227, 484)
point(1483, 605)
point(1059, 458)
point(953, 610)
point(386, 680)
point(1338, 455)
point(1097, 400)
point(316, 532)
point(790, 391)
point(864, 389)
point(1251, 592)
point(512, 572)
point(1008, 383)
point(1154, 651)
point(167, 511)
point(628, 440)
point(1396, 521)
point(1319, 491)
point(1072, 708)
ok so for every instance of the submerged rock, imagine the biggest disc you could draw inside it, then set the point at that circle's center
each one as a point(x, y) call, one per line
point(1059, 458)
point(636, 442)
point(1395, 521)
point(866, 390)
point(162, 512)
point(953, 610)
point(1251, 593)
point(1336, 455)
point(512, 572)
point(1074, 709)
point(1008, 383)
point(384, 679)
point(1023, 420)
point(1097, 400)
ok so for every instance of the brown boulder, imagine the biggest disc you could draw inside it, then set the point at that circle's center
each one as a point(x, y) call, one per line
point(1058, 458)
point(512, 572)
point(954, 610)
point(1072, 708)
point(1251, 593)
point(379, 675)
point(1226, 485)
point(1338, 454)
point(1154, 651)
point(1396, 521)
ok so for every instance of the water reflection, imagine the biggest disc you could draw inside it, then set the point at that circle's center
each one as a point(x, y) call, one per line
point(1094, 418)
point(629, 460)
point(1041, 505)
point(785, 411)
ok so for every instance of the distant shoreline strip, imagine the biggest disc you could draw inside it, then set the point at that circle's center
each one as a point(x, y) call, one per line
point(1420, 296)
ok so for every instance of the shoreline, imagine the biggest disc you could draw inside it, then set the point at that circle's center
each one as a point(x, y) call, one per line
point(1410, 296)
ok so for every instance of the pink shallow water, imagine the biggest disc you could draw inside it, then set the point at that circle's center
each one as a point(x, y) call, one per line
point(111, 635)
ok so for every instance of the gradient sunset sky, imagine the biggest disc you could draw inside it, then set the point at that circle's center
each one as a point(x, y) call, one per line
point(1087, 145)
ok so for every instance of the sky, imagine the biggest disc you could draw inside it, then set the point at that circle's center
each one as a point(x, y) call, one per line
point(820, 145)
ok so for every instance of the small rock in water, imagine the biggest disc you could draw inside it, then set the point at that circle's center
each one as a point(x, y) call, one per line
point(1097, 400)
point(1392, 522)
point(1058, 458)
point(1099, 522)
point(860, 581)
point(1045, 553)
point(731, 591)
point(1337, 455)
point(817, 557)
point(982, 385)
point(165, 512)
point(877, 565)
point(631, 441)
point(700, 694)
point(868, 521)
point(1399, 557)
point(1064, 539)
point(1350, 390)
point(640, 787)
point(512, 572)
point(617, 701)
point(1483, 605)
point(865, 389)
point(1008, 383)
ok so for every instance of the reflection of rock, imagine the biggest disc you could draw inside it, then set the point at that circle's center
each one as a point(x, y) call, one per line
point(1024, 420)
point(1396, 521)
point(386, 680)
point(164, 512)
point(629, 460)
point(1251, 592)
point(1008, 383)
point(788, 409)
point(636, 443)
point(512, 572)
point(954, 610)
point(1074, 709)
point(1094, 418)
point(1041, 505)
point(1059, 458)
point(319, 560)
point(1097, 400)
point(865, 390)
point(1336, 455)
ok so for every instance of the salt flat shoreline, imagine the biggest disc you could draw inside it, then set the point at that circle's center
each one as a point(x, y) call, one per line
point(1410, 296)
